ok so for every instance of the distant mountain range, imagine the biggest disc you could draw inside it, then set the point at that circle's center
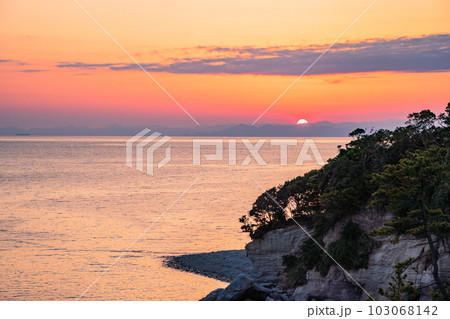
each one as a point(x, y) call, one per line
point(318, 129)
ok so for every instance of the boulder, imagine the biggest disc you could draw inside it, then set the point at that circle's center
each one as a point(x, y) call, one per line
point(242, 287)
point(212, 296)
point(238, 288)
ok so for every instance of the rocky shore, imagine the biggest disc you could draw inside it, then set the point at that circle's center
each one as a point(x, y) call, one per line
point(231, 266)
point(223, 265)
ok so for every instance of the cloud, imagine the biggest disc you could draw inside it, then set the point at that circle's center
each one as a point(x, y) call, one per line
point(79, 65)
point(14, 62)
point(33, 71)
point(429, 53)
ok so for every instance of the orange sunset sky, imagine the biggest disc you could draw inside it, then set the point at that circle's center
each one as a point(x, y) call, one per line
point(225, 61)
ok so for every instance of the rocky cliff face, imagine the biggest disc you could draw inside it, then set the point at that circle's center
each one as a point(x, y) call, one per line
point(266, 255)
point(267, 281)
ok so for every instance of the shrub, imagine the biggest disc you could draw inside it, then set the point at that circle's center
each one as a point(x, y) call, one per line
point(351, 251)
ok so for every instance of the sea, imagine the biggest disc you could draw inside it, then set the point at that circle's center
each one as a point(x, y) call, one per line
point(70, 207)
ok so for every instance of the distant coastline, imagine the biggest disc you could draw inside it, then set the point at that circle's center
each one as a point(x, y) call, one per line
point(318, 129)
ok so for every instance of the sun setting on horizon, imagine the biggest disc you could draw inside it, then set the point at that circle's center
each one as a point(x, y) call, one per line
point(302, 122)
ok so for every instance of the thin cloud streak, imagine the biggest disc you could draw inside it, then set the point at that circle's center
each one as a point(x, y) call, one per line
point(421, 54)
point(33, 71)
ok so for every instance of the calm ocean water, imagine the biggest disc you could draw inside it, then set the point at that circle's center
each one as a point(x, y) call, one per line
point(69, 206)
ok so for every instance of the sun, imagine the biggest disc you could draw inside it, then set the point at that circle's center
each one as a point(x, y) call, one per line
point(302, 122)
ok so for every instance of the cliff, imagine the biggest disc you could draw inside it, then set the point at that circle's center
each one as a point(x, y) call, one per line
point(268, 281)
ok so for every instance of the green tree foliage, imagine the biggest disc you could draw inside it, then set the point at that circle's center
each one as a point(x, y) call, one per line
point(398, 288)
point(344, 185)
point(417, 189)
point(265, 215)
point(351, 251)
point(444, 118)
point(437, 295)
point(359, 132)
point(294, 271)
point(417, 185)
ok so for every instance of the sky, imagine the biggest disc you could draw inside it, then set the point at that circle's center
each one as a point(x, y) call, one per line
point(223, 61)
